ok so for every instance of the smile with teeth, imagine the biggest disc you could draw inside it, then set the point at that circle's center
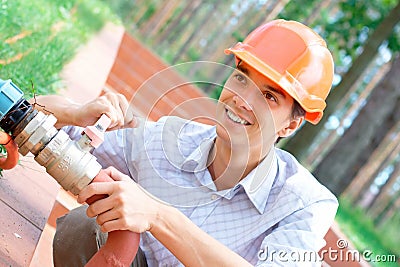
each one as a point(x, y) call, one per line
point(235, 118)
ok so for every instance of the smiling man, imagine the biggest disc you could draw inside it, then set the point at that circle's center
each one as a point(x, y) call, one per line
point(213, 195)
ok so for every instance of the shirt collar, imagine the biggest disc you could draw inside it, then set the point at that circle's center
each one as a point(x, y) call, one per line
point(258, 183)
point(197, 159)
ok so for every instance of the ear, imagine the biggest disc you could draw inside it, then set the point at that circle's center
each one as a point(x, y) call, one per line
point(293, 125)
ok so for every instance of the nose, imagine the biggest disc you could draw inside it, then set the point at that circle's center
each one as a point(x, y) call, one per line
point(242, 103)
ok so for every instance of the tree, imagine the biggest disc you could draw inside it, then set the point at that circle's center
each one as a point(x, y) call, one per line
point(206, 17)
point(171, 27)
point(367, 173)
point(158, 19)
point(390, 210)
point(317, 11)
point(299, 143)
point(351, 152)
point(383, 197)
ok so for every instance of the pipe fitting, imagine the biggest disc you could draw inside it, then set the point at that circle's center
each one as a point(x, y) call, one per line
point(43, 133)
point(24, 135)
point(72, 167)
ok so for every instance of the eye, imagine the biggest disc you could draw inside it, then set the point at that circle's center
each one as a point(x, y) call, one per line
point(240, 78)
point(270, 96)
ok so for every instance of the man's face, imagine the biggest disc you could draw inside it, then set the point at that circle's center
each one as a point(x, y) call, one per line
point(253, 111)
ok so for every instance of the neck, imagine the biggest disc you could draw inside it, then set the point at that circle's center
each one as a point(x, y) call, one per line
point(230, 164)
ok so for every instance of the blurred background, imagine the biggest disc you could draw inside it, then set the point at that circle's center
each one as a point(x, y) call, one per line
point(354, 150)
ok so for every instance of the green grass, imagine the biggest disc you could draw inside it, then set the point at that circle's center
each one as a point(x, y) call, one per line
point(359, 228)
point(55, 30)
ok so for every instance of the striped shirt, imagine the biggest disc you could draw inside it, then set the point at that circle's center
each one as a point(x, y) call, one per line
point(277, 215)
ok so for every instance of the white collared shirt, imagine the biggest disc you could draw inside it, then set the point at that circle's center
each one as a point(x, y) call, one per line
point(277, 215)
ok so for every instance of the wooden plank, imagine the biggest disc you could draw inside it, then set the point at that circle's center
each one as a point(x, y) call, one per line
point(153, 89)
point(29, 190)
point(27, 195)
point(18, 238)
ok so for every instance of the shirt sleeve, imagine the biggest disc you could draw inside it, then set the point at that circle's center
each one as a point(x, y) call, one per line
point(297, 239)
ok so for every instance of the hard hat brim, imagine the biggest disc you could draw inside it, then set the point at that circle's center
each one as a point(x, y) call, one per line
point(286, 82)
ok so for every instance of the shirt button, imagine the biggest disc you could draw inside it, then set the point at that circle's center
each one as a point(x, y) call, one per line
point(214, 197)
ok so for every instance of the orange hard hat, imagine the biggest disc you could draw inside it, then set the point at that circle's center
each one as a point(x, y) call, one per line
point(295, 58)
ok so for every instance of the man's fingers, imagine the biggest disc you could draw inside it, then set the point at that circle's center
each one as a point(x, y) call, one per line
point(103, 188)
point(130, 117)
point(127, 110)
point(112, 225)
point(133, 122)
point(122, 224)
point(107, 216)
point(99, 207)
point(115, 106)
point(115, 100)
point(116, 175)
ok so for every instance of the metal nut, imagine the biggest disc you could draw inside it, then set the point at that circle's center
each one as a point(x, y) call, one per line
point(40, 132)
point(53, 149)
point(29, 129)
point(45, 139)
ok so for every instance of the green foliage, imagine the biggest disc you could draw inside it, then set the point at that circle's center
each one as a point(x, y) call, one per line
point(346, 29)
point(394, 40)
point(53, 31)
point(352, 25)
point(176, 13)
point(125, 9)
point(238, 36)
point(390, 230)
point(193, 54)
point(151, 9)
point(3, 153)
point(295, 11)
point(362, 232)
point(216, 92)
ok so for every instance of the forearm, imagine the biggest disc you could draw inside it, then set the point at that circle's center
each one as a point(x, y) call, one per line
point(191, 245)
point(62, 108)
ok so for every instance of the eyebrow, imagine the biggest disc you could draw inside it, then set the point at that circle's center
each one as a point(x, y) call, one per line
point(275, 90)
point(242, 69)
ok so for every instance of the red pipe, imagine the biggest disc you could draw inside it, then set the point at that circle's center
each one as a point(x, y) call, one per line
point(121, 246)
point(12, 152)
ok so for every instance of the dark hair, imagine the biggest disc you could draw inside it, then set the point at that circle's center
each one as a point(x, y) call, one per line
point(297, 111)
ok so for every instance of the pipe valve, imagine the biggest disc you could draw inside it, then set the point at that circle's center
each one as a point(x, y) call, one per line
point(67, 161)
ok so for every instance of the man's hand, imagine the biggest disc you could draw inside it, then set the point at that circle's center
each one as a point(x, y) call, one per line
point(130, 207)
point(127, 207)
point(115, 106)
point(67, 112)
